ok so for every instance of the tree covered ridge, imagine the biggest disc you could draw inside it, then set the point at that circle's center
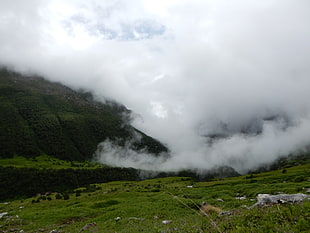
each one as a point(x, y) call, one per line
point(29, 181)
point(41, 117)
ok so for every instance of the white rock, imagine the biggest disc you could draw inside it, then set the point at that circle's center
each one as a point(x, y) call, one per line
point(166, 221)
point(274, 199)
point(135, 218)
point(267, 199)
point(2, 214)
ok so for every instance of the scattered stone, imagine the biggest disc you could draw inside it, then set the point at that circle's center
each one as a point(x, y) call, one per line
point(229, 212)
point(54, 231)
point(220, 200)
point(2, 214)
point(189, 186)
point(134, 218)
point(267, 199)
point(156, 217)
point(22, 207)
point(308, 190)
point(87, 226)
point(241, 198)
point(117, 219)
point(166, 221)
point(21, 231)
point(5, 203)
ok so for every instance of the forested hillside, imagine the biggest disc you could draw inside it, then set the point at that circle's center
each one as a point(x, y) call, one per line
point(40, 117)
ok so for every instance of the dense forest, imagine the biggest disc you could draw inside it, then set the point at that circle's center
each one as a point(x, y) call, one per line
point(26, 182)
point(30, 181)
point(40, 117)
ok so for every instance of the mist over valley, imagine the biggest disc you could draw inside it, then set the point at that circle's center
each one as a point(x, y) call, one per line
point(216, 83)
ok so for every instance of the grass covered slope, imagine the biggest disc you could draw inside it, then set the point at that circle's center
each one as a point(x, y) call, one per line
point(46, 162)
point(167, 205)
point(40, 117)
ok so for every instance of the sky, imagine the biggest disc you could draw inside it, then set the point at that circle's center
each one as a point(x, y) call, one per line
point(220, 82)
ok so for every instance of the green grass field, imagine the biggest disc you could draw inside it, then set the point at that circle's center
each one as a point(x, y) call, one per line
point(143, 206)
point(45, 162)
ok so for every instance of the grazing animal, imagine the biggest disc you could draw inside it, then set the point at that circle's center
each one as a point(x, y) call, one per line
point(207, 209)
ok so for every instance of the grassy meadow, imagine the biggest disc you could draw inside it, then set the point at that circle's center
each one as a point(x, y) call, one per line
point(45, 162)
point(166, 205)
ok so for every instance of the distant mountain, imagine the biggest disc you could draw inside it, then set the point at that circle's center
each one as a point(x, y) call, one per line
point(250, 127)
point(41, 117)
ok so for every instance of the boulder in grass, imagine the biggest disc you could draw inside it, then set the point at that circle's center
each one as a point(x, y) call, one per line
point(267, 199)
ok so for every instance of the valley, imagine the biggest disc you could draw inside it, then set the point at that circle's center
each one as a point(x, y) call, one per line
point(166, 205)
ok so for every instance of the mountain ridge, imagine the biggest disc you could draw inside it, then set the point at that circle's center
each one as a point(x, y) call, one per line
point(41, 117)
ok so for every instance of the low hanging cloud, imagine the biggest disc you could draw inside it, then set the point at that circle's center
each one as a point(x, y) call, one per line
point(219, 82)
point(110, 153)
point(242, 152)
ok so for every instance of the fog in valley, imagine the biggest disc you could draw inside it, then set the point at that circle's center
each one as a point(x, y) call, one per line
point(220, 83)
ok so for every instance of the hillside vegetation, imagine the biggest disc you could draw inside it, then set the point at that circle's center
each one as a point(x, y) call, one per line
point(166, 205)
point(40, 117)
point(45, 173)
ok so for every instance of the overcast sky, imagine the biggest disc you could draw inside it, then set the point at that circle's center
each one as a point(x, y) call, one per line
point(187, 68)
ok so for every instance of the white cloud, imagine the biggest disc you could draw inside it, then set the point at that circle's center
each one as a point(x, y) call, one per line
point(158, 109)
point(189, 68)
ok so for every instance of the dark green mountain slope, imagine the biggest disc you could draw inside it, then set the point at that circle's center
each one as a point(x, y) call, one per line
point(41, 117)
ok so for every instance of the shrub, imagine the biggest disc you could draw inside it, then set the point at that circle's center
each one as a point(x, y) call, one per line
point(66, 196)
point(58, 196)
point(300, 179)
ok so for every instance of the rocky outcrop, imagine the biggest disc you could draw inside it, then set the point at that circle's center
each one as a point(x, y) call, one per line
point(267, 199)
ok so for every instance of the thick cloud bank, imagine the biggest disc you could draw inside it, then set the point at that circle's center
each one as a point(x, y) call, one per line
point(220, 82)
